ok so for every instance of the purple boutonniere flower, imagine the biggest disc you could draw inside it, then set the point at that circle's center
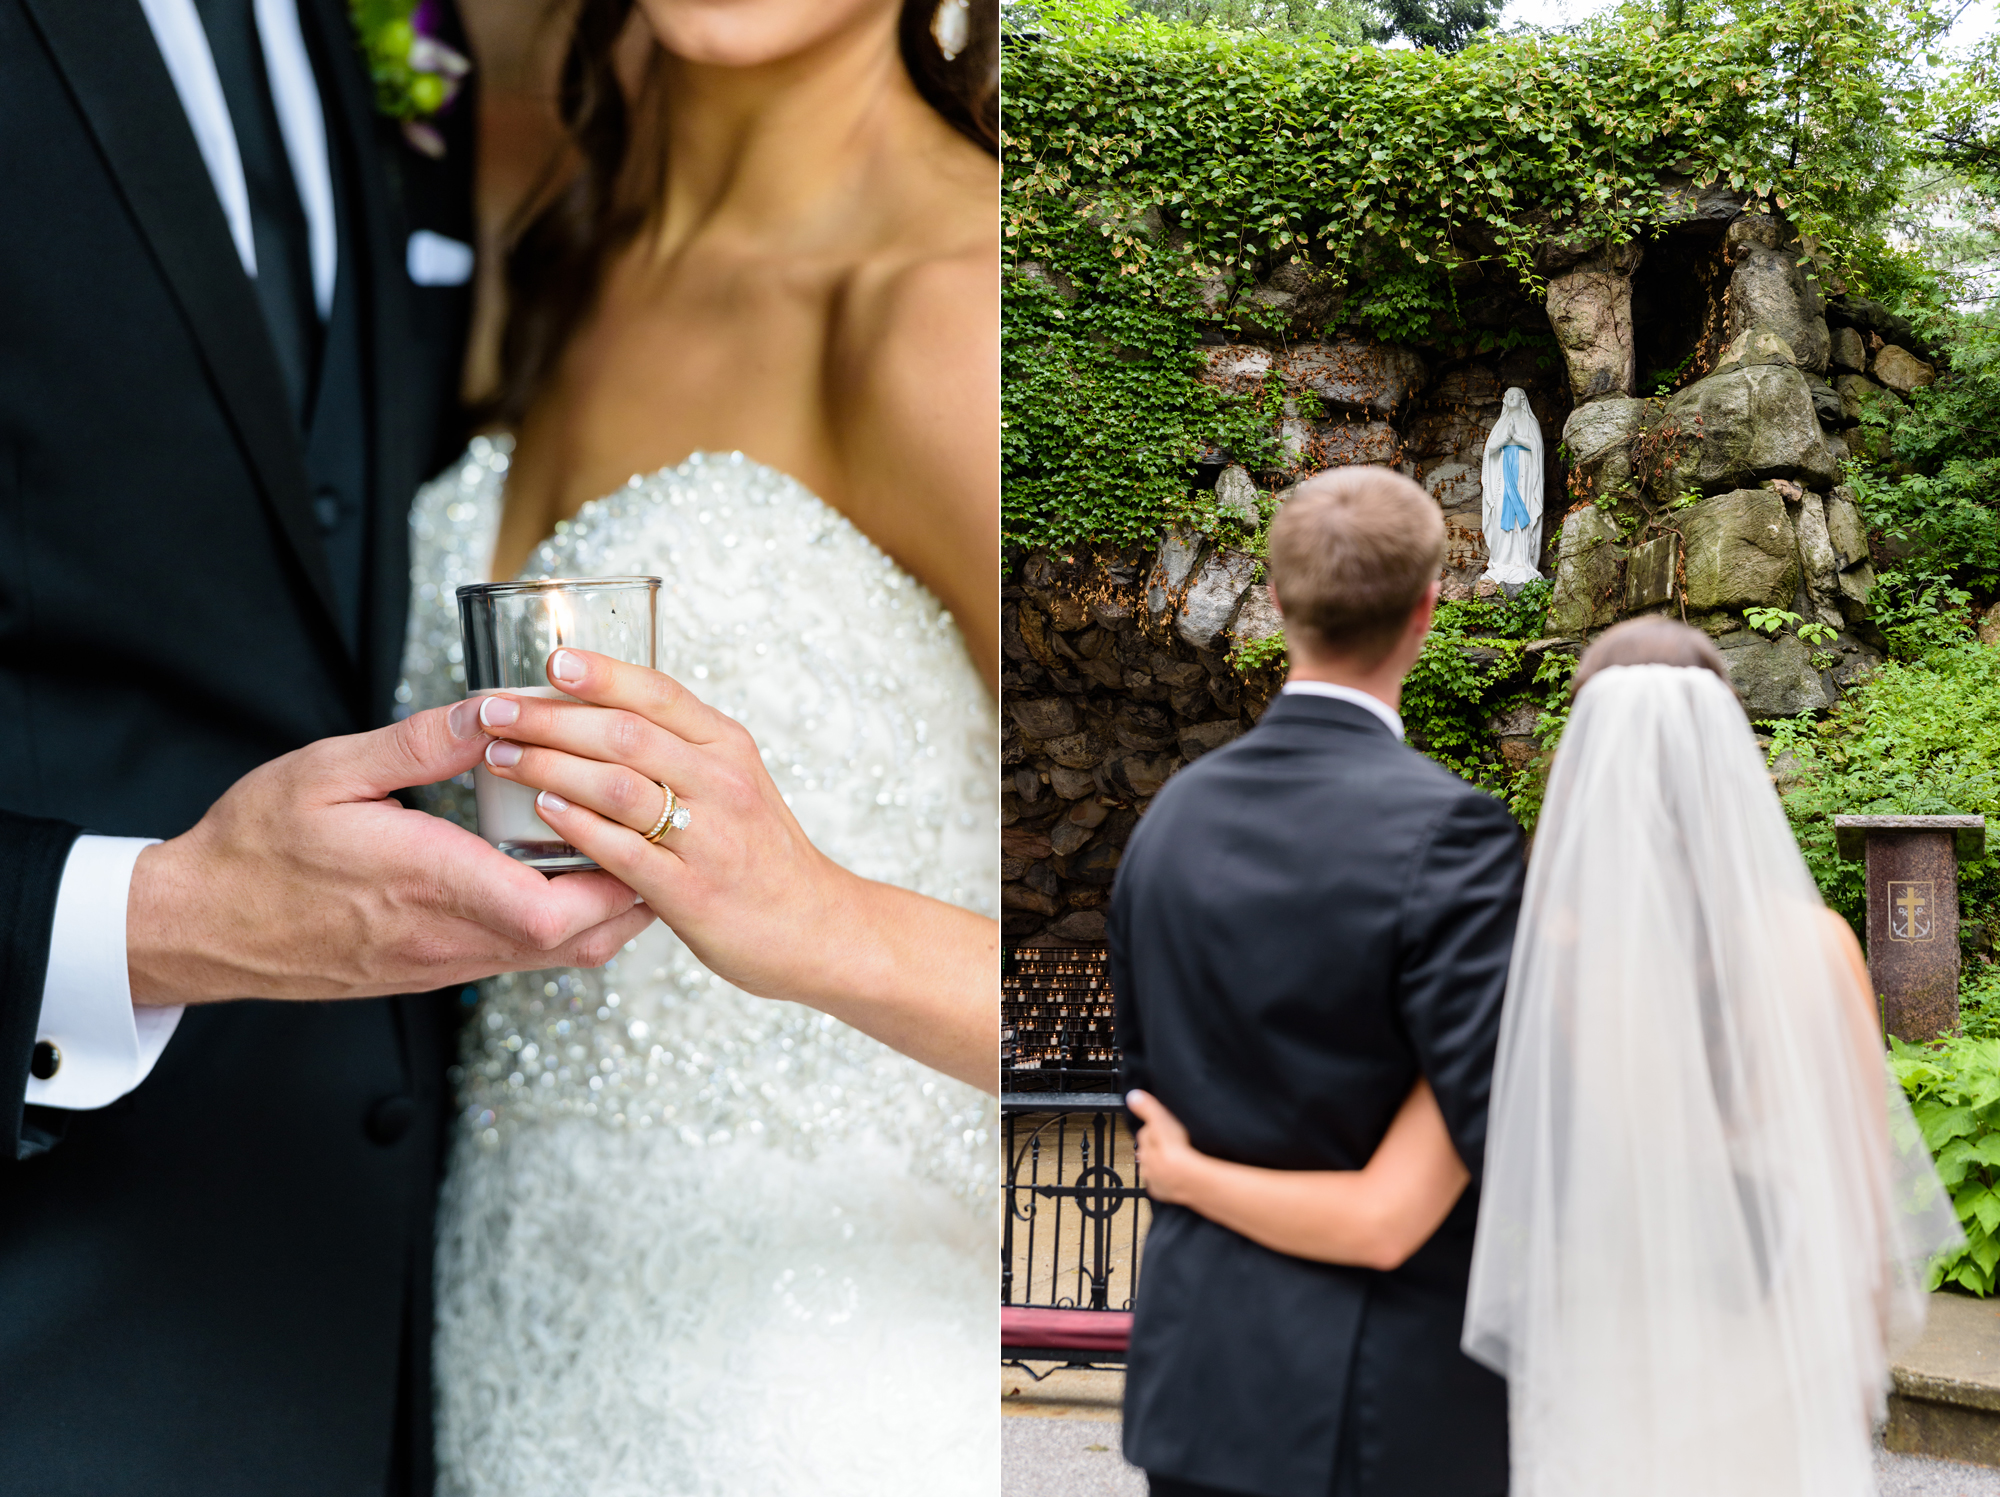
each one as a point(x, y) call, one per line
point(417, 75)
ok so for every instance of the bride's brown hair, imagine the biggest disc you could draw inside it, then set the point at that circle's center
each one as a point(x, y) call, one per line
point(1652, 640)
point(586, 207)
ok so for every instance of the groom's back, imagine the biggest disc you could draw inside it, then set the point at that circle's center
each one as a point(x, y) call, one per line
point(1305, 923)
point(1270, 917)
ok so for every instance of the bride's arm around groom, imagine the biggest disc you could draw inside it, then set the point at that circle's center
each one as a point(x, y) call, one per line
point(1373, 1217)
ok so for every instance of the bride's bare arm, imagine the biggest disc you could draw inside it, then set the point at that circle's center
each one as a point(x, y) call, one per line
point(742, 884)
point(1864, 1028)
point(1859, 1001)
point(1373, 1217)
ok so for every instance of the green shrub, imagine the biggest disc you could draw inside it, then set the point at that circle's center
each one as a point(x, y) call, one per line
point(1979, 999)
point(1270, 650)
point(1403, 306)
point(1919, 612)
point(1103, 415)
point(1954, 1090)
point(1551, 686)
point(1475, 664)
point(1918, 738)
point(1941, 491)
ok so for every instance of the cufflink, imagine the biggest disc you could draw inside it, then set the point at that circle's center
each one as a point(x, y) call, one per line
point(45, 1061)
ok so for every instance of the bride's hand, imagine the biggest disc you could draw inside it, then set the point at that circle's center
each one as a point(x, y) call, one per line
point(601, 775)
point(740, 882)
point(1167, 1161)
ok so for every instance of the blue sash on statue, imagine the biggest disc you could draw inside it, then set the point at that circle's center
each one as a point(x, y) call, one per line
point(1513, 512)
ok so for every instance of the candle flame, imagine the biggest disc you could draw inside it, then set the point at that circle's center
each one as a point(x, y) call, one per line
point(563, 617)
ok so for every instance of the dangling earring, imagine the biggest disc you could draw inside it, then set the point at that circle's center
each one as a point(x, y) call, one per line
point(952, 26)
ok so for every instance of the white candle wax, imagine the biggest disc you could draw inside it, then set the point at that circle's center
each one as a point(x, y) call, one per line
point(506, 807)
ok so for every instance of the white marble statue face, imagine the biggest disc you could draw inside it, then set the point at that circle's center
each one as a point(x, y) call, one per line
point(1516, 422)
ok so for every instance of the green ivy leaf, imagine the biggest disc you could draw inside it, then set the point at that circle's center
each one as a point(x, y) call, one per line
point(1946, 1123)
point(1985, 1251)
point(1986, 1208)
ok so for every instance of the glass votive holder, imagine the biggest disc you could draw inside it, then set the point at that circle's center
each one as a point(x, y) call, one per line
point(510, 629)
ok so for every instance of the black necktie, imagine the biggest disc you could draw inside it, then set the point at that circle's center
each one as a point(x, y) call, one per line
point(277, 222)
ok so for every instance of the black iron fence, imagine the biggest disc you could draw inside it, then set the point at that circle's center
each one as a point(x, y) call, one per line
point(1077, 1210)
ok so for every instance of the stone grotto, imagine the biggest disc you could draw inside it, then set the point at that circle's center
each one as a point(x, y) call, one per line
point(1696, 396)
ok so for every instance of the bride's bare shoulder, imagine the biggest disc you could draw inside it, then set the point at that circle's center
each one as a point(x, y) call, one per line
point(914, 353)
point(929, 246)
point(930, 333)
point(912, 382)
point(922, 312)
point(1838, 934)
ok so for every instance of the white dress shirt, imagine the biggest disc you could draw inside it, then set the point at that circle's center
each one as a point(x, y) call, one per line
point(1391, 719)
point(107, 1046)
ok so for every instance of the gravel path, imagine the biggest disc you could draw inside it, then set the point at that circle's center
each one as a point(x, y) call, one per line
point(1079, 1458)
point(1913, 1476)
point(1067, 1458)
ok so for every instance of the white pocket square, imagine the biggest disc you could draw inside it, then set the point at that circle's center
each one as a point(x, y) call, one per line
point(434, 260)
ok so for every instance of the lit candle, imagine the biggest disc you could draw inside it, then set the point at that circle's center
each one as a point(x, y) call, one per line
point(507, 816)
point(510, 631)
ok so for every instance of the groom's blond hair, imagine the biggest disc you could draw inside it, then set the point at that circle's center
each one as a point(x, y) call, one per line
point(1351, 553)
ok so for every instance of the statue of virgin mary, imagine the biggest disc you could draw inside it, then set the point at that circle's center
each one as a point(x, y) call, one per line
point(1510, 477)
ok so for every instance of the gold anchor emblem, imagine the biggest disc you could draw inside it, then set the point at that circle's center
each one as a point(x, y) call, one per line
point(1911, 907)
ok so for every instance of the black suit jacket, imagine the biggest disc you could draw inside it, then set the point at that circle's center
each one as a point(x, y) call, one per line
point(1305, 922)
point(221, 1283)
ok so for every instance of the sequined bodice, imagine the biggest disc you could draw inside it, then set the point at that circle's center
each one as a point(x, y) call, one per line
point(858, 689)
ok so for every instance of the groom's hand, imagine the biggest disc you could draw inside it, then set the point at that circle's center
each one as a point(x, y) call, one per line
point(307, 881)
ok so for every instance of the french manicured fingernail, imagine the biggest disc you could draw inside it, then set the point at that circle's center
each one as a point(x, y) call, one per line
point(566, 666)
point(463, 719)
point(499, 712)
point(548, 800)
point(502, 755)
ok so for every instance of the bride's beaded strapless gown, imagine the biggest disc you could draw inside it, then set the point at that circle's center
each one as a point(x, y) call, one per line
point(692, 1241)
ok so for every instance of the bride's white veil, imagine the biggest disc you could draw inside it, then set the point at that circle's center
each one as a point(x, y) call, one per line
point(1705, 1204)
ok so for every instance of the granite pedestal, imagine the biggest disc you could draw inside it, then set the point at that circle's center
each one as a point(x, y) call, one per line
point(1912, 878)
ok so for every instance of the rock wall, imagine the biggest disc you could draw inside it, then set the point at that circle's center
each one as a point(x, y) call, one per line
point(1724, 496)
point(1117, 668)
point(1425, 411)
point(1113, 679)
point(1716, 498)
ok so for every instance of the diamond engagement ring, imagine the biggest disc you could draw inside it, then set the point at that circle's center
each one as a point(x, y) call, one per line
point(673, 816)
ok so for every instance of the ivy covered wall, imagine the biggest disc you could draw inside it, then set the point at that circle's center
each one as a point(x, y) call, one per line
point(1234, 261)
point(1169, 187)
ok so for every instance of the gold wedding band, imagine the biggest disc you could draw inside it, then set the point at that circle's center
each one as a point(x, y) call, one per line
point(673, 815)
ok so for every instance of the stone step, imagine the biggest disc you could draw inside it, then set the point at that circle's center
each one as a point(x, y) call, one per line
point(1945, 1391)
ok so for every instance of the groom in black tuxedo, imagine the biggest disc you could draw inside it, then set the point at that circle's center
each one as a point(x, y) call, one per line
point(1306, 922)
point(232, 307)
